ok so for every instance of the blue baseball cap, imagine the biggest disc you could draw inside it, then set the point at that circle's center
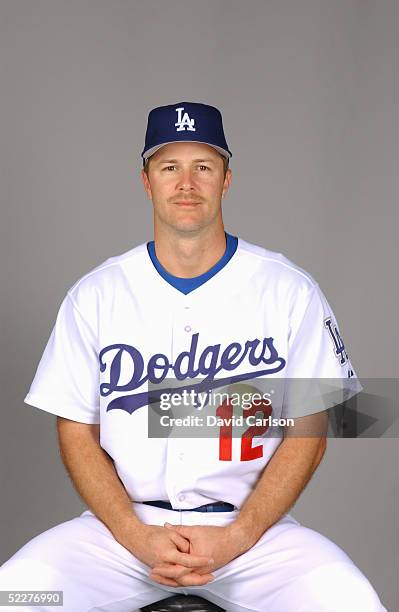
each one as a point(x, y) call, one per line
point(184, 122)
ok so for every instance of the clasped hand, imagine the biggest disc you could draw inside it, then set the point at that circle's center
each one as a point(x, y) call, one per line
point(200, 549)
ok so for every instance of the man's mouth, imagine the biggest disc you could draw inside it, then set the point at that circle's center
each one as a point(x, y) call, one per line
point(187, 203)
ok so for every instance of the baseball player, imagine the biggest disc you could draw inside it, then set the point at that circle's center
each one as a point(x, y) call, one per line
point(196, 311)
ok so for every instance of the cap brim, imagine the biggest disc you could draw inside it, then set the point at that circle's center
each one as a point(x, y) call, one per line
point(153, 150)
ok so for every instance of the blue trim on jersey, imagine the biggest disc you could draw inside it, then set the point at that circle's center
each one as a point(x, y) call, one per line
point(185, 285)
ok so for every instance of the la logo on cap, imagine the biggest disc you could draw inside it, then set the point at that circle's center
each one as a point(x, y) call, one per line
point(184, 122)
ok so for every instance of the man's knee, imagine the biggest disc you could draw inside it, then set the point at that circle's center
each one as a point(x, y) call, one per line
point(340, 587)
point(28, 574)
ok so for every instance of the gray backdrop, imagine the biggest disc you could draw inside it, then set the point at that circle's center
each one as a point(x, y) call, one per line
point(309, 94)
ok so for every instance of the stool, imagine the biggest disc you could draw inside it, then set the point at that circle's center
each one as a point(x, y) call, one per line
point(183, 603)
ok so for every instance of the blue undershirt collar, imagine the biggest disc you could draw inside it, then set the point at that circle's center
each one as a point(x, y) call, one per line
point(185, 285)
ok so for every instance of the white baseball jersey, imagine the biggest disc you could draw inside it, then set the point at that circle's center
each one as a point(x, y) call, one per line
point(122, 327)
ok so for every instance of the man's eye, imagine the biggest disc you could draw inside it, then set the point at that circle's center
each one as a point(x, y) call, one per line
point(201, 166)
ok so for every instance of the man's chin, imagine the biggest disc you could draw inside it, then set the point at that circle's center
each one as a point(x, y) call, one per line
point(188, 228)
point(186, 223)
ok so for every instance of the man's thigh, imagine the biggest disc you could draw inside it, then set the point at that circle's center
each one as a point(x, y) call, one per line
point(82, 558)
point(291, 567)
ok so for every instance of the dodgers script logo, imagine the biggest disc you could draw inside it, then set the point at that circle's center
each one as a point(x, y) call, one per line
point(188, 365)
point(184, 122)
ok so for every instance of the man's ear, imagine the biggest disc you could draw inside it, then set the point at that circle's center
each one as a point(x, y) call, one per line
point(146, 184)
point(227, 182)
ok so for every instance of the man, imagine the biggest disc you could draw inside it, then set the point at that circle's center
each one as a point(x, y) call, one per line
point(204, 310)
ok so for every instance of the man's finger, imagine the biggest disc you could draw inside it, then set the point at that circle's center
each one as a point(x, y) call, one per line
point(194, 579)
point(188, 560)
point(162, 580)
point(183, 529)
point(171, 570)
point(181, 542)
point(190, 579)
point(176, 571)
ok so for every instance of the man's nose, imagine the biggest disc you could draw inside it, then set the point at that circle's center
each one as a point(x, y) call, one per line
point(186, 180)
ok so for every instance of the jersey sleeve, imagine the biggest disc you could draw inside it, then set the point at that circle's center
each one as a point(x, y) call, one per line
point(320, 374)
point(66, 382)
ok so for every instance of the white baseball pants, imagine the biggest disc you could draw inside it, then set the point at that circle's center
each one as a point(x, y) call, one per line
point(291, 567)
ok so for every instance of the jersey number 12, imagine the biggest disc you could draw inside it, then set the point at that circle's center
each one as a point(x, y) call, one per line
point(248, 452)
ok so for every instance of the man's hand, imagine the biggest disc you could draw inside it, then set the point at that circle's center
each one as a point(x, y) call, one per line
point(222, 544)
point(158, 546)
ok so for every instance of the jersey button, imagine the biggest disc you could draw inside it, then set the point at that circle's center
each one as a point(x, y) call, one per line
point(187, 328)
point(181, 497)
